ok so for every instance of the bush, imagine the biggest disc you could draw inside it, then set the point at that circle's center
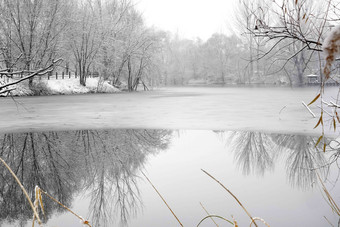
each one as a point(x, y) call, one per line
point(41, 88)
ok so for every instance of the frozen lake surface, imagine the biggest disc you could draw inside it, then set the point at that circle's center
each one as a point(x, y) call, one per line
point(99, 175)
point(261, 109)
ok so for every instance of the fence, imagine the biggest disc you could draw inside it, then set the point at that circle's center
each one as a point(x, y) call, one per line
point(69, 75)
point(49, 76)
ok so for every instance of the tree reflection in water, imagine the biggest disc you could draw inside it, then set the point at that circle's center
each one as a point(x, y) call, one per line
point(252, 151)
point(36, 159)
point(64, 163)
point(302, 158)
point(255, 153)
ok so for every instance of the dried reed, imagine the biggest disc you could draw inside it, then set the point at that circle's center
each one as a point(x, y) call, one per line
point(331, 47)
point(330, 199)
point(162, 198)
point(251, 218)
point(260, 219)
point(35, 213)
point(215, 216)
point(85, 222)
point(38, 199)
point(208, 213)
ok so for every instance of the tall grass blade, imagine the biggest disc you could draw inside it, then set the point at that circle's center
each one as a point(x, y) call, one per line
point(251, 218)
point(162, 198)
point(260, 219)
point(208, 214)
point(331, 201)
point(36, 215)
point(328, 221)
point(85, 222)
point(214, 216)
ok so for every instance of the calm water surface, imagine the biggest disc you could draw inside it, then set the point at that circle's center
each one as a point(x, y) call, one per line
point(99, 175)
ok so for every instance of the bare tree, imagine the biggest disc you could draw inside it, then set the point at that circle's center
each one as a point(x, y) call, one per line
point(85, 36)
point(298, 26)
point(30, 30)
point(7, 87)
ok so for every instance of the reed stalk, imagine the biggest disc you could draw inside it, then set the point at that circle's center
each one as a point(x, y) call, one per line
point(162, 199)
point(36, 215)
point(85, 222)
point(238, 201)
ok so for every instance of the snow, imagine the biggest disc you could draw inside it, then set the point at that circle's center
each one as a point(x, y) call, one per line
point(65, 87)
point(21, 89)
point(72, 86)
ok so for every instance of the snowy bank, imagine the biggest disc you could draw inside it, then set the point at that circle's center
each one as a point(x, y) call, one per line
point(63, 87)
point(72, 86)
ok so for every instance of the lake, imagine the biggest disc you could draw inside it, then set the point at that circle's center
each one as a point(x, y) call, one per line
point(90, 153)
point(264, 109)
point(98, 174)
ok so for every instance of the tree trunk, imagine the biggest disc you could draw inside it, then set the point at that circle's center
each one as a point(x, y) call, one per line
point(82, 73)
point(130, 88)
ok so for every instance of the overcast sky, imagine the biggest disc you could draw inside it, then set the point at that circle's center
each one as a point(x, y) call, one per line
point(191, 18)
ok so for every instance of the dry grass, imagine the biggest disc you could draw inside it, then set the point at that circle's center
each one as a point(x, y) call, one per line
point(259, 219)
point(329, 199)
point(208, 214)
point(211, 216)
point(38, 200)
point(83, 221)
point(331, 48)
point(238, 201)
point(162, 199)
point(35, 213)
point(216, 216)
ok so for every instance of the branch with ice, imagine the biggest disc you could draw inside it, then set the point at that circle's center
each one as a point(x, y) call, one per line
point(310, 111)
point(331, 104)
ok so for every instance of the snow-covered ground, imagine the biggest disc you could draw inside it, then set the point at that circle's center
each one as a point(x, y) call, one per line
point(72, 86)
point(65, 87)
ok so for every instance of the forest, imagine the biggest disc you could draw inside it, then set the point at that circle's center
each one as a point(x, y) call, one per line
point(270, 42)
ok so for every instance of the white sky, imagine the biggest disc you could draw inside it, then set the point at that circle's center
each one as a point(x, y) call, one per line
point(191, 18)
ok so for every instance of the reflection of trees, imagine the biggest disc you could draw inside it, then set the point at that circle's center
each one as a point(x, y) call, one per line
point(252, 151)
point(303, 158)
point(255, 152)
point(102, 162)
point(111, 169)
point(36, 159)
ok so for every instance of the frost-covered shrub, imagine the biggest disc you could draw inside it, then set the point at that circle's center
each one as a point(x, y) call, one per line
point(41, 88)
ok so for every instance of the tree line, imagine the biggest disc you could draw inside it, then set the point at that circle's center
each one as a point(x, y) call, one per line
point(272, 42)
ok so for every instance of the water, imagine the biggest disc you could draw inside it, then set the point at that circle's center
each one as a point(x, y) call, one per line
point(98, 174)
point(263, 109)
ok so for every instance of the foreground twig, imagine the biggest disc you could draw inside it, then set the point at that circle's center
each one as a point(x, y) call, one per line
point(85, 222)
point(260, 219)
point(215, 216)
point(251, 218)
point(38, 72)
point(208, 214)
point(328, 221)
point(36, 215)
point(331, 201)
point(310, 111)
point(162, 198)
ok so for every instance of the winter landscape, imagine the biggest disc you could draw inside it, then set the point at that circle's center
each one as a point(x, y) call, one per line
point(169, 113)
